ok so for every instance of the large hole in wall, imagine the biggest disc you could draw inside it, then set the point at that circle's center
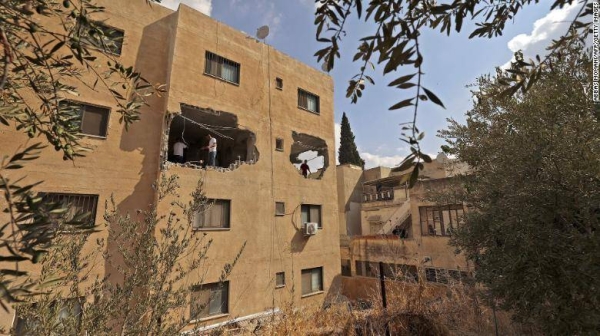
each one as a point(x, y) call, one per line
point(235, 144)
point(311, 149)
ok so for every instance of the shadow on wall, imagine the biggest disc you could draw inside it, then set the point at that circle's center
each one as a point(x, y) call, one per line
point(144, 136)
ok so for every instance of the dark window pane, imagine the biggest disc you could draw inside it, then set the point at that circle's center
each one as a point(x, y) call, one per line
point(280, 279)
point(279, 208)
point(214, 214)
point(430, 274)
point(209, 299)
point(94, 120)
point(346, 271)
point(221, 67)
point(81, 208)
point(308, 101)
point(312, 280)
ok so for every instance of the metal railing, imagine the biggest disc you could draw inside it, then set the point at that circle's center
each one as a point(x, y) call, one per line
point(382, 195)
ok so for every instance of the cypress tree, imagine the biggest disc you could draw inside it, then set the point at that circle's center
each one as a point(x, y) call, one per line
point(348, 152)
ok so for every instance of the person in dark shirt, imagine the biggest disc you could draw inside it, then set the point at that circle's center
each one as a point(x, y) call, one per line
point(305, 169)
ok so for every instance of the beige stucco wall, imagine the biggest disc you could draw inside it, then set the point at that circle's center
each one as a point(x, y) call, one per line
point(169, 47)
point(349, 186)
point(419, 250)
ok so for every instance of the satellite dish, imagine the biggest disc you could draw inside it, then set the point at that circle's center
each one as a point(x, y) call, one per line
point(262, 32)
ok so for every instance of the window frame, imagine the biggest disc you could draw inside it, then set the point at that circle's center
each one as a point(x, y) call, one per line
point(308, 94)
point(320, 285)
point(93, 197)
point(81, 107)
point(211, 202)
point(277, 213)
point(279, 83)
point(445, 276)
point(222, 286)
point(279, 141)
point(431, 216)
point(103, 26)
point(346, 267)
point(277, 278)
point(221, 61)
point(20, 323)
point(310, 220)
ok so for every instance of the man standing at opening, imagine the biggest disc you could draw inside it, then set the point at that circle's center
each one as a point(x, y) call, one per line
point(305, 169)
point(212, 150)
point(178, 148)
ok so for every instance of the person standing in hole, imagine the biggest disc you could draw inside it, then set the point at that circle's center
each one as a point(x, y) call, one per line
point(178, 148)
point(212, 150)
point(305, 169)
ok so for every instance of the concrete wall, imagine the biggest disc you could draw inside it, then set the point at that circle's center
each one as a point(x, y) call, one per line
point(419, 250)
point(376, 173)
point(274, 243)
point(169, 47)
point(349, 186)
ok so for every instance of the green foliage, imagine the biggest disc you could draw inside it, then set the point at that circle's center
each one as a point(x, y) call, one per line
point(49, 47)
point(395, 44)
point(535, 192)
point(31, 226)
point(348, 152)
point(154, 258)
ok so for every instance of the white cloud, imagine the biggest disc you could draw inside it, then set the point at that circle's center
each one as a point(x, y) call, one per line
point(551, 26)
point(204, 6)
point(315, 161)
point(310, 3)
point(374, 160)
point(272, 19)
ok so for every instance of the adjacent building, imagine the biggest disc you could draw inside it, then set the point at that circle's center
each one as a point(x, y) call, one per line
point(405, 229)
point(263, 107)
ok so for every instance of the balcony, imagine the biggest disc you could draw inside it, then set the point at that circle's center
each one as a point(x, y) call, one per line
point(382, 195)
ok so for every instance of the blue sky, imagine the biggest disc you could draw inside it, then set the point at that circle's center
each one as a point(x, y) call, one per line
point(450, 64)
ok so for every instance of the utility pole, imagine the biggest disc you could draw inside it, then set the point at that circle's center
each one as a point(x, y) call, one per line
point(383, 298)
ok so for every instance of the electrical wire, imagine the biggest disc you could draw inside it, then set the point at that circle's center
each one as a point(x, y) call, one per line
point(207, 127)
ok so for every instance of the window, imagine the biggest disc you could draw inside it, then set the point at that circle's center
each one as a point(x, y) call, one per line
point(280, 279)
point(101, 36)
point(440, 220)
point(64, 311)
point(400, 272)
point(279, 208)
point(223, 68)
point(346, 271)
point(93, 120)
point(312, 280)
point(279, 144)
point(209, 300)
point(311, 214)
point(279, 83)
point(82, 208)
point(367, 269)
point(308, 101)
point(443, 276)
point(213, 215)
point(359, 268)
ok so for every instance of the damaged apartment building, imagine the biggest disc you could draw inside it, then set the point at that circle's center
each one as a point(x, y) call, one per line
point(265, 109)
point(383, 221)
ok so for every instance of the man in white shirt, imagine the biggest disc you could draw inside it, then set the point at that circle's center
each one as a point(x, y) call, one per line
point(178, 148)
point(212, 150)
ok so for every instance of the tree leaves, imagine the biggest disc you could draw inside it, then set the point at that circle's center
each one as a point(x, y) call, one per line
point(433, 97)
point(527, 151)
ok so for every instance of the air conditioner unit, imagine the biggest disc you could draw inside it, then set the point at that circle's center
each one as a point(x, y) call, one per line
point(311, 229)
